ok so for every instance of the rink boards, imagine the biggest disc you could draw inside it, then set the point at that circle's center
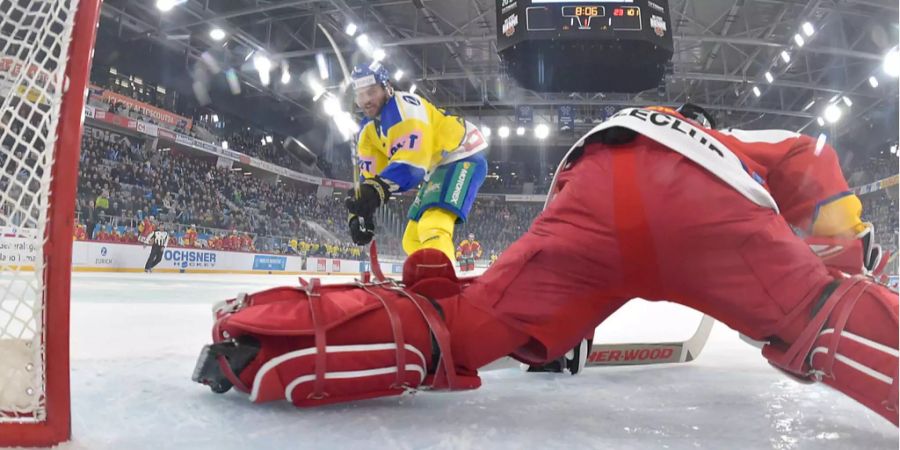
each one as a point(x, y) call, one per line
point(88, 256)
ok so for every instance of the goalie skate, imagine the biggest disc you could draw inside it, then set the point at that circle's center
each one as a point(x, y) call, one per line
point(236, 354)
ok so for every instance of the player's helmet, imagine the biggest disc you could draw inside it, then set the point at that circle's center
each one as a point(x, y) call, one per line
point(364, 76)
point(698, 114)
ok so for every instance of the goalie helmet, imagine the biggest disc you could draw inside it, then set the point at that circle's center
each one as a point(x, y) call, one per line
point(698, 114)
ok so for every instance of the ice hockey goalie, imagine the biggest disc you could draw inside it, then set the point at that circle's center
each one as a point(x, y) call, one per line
point(649, 204)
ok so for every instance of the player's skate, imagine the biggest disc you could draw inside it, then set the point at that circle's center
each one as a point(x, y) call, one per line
point(215, 359)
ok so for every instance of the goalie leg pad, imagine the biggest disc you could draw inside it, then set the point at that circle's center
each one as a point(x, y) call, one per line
point(848, 341)
point(330, 344)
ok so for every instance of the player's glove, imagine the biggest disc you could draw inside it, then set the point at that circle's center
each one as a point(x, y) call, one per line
point(362, 229)
point(373, 192)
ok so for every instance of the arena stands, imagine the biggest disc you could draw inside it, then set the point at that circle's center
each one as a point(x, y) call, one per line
point(123, 182)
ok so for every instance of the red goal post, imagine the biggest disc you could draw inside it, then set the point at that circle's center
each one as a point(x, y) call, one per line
point(46, 47)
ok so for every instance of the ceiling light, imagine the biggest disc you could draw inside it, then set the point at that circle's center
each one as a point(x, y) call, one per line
point(769, 77)
point(520, 131)
point(891, 64)
point(217, 34)
point(486, 131)
point(832, 113)
point(398, 75)
point(847, 101)
point(808, 29)
point(799, 40)
point(873, 82)
point(351, 29)
point(503, 132)
point(541, 131)
point(756, 91)
point(785, 56)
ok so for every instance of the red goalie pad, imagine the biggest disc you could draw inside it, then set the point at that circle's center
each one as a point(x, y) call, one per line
point(329, 344)
point(337, 343)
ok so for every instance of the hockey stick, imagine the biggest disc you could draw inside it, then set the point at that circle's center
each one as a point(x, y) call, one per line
point(636, 354)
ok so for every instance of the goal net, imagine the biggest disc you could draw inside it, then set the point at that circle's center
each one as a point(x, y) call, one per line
point(45, 52)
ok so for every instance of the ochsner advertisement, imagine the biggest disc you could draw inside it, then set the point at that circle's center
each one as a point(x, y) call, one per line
point(16, 250)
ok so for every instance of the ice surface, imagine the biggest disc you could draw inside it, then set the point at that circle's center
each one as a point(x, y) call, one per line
point(135, 339)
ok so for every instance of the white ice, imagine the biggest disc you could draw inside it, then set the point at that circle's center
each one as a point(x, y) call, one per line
point(135, 339)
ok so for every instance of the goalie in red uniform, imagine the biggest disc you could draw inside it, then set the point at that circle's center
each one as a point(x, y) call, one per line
point(467, 252)
point(652, 203)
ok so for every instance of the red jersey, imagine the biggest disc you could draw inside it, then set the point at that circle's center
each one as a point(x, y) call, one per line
point(800, 174)
point(469, 249)
point(190, 238)
point(80, 234)
point(795, 174)
point(147, 228)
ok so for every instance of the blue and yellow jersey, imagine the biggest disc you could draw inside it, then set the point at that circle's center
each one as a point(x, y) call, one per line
point(411, 138)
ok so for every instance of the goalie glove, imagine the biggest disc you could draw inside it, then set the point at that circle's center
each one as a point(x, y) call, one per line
point(362, 229)
point(373, 192)
point(857, 255)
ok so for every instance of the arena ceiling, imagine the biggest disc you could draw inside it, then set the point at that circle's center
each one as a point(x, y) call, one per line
point(723, 49)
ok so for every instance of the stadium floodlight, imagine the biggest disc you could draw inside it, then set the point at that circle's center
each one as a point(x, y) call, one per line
point(756, 91)
point(503, 132)
point(315, 86)
point(217, 34)
point(322, 65)
point(541, 131)
point(486, 131)
point(378, 54)
point(847, 101)
point(412, 89)
point(785, 56)
point(891, 64)
point(873, 82)
point(167, 5)
point(331, 106)
point(285, 74)
point(808, 29)
point(769, 77)
point(809, 105)
point(263, 66)
point(820, 143)
point(833, 113)
point(820, 121)
point(799, 40)
point(351, 29)
point(346, 125)
point(520, 131)
point(398, 75)
point(364, 44)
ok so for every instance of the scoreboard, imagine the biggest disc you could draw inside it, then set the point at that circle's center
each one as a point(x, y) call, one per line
point(549, 44)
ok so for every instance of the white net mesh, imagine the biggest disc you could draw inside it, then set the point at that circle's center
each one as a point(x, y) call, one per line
point(34, 40)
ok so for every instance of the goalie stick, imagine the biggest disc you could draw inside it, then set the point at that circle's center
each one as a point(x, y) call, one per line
point(634, 354)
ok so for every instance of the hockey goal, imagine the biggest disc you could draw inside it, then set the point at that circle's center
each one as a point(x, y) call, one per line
point(45, 52)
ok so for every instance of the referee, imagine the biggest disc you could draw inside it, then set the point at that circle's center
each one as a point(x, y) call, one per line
point(159, 239)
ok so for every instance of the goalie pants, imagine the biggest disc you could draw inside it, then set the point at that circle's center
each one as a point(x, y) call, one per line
point(643, 221)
